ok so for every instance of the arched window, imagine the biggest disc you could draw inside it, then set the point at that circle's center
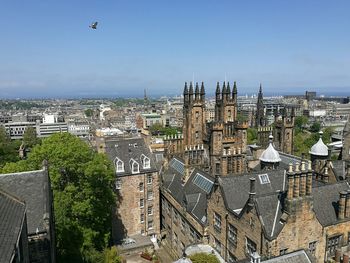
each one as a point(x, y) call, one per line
point(146, 162)
point(119, 165)
point(134, 166)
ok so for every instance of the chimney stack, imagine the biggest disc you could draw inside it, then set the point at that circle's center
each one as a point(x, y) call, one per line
point(347, 205)
point(251, 192)
point(341, 210)
point(296, 181)
point(309, 179)
point(290, 175)
point(303, 179)
point(345, 258)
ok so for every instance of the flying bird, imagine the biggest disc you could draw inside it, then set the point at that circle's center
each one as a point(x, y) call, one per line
point(93, 25)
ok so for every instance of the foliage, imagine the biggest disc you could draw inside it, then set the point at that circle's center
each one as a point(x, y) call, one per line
point(82, 184)
point(30, 138)
point(111, 255)
point(315, 127)
point(158, 129)
point(204, 258)
point(300, 122)
point(88, 112)
point(8, 148)
point(252, 135)
point(241, 117)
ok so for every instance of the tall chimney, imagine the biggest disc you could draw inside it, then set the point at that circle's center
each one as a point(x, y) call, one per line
point(251, 192)
point(342, 198)
point(345, 258)
point(347, 205)
point(290, 175)
point(303, 180)
point(296, 181)
point(309, 180)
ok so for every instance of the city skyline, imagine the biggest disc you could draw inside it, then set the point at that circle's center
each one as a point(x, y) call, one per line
point(50, 51)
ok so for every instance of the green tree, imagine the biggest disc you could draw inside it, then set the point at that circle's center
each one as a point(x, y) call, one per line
point(89, 112)
point(30, 138)
point(300, 123)
point(8, 149)
point(82, 183)
point(315, 127)
point(204, 258)
point(252, 135)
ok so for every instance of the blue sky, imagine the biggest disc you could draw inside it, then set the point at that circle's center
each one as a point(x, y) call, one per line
point(48, 50)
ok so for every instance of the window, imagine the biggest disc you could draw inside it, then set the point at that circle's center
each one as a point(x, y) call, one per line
point(251, 246)
point(312, 247)
point(141, 187)
point(283, 251)
point(142, 218)
point(134, 166)
point(150, 210)
point(146, 163)
point(264, 179)
point(150, 224)
point(217, 168)
point(118, 184)
point(232, 235)
point(183, 225)
point(119, 164)
point(149, 179)
point(217, 245)
point(193, 234)
point(202, 182)
point(142, 202)
point(197, 134)
point(149, 195)
point(176, 217)
point(217, 222)
point(333, 243)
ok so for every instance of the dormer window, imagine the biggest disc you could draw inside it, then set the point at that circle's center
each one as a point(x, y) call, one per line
point(146, 163)
point(134, 166)
point(119, 165)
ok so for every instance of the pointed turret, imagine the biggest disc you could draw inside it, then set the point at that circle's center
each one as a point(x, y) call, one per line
point(234, 91)
point(185, 93)
point(228, 91)
point(191, 92)
point(202, 92)
point(217, 91)
point(197, 92)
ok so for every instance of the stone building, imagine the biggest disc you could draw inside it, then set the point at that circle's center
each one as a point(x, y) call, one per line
point(346, 141)
point(217, 146)
point(284, 131)
point(34, 189)
point(137, 187)
point(275, 211)
point(183, 206)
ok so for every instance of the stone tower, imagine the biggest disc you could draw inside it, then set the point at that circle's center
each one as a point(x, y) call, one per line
point(284, 131)
point(260, 116)
point(346, 141)
point(194, 116)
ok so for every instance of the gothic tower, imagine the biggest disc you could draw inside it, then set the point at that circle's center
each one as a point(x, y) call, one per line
point(345, 154)
point(284, 131)
point(194, 115)
point(260, 118)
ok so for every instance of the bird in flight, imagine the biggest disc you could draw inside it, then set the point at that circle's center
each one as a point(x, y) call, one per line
point(94, 25)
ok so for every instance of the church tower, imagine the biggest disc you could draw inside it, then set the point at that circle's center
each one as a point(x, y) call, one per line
point(284, 131)
point(260, 116)
point(194, 115)
point(345, 154)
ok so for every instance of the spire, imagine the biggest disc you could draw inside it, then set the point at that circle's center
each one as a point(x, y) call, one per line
point(202, 92)
point(234, 91)
point(217, 91)
point(260, 89)
point(224, 88)
point(185, 89)
point(197, 91)
point(228, 89)
point(190, 95)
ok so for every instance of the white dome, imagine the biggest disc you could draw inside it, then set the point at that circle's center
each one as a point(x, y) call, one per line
point(270, 155)
point(319, 148)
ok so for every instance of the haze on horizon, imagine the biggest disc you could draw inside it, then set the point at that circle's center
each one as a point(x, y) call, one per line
point(48, 49)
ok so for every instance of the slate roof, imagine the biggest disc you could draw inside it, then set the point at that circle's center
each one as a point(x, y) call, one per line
point(236, 187)
point(32, 188)
point(12, 216)
point(294, 257)
point(326, 202)
point(192, 194)
point(338, 168)
point(126, 149)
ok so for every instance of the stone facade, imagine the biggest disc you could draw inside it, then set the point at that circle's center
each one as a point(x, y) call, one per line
point(284, 131)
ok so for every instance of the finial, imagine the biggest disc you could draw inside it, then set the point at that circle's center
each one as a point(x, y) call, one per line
point(290, 170)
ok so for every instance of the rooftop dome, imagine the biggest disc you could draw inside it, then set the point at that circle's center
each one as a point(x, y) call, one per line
point(319, 148)
point(270, 155)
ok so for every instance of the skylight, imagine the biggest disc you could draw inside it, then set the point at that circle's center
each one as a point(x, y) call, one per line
point(264, 179)
point(202, 182)
point(178, 166)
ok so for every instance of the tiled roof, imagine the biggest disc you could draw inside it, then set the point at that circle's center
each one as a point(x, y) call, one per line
point(32, 188)
point(12, 215)
point(129, 150)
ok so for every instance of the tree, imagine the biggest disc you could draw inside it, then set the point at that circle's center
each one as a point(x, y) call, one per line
point(8, 148)
point(252, 135)
point(82, 182)
point(204, 258)
point(315, 127)
point(89, 112)
point(300, 123)
point(30, 138)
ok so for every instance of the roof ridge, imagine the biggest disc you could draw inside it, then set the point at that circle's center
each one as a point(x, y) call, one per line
point(23, 172)
point(12, 196)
